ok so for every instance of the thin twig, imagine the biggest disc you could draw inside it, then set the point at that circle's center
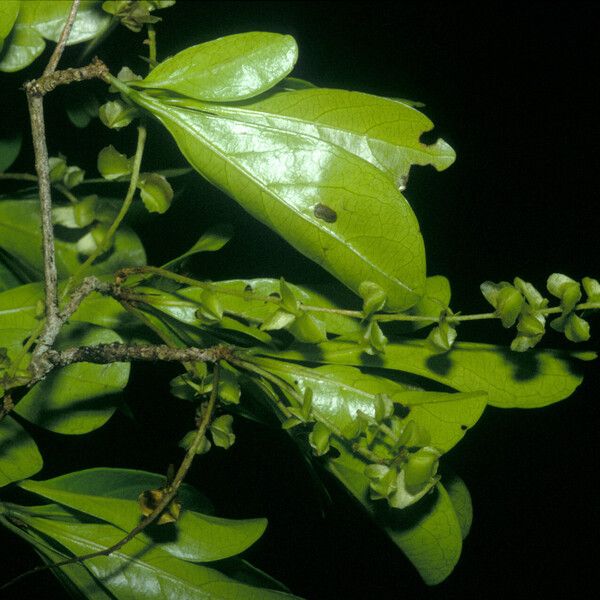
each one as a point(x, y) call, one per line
point(62, 40)
point(167, 498)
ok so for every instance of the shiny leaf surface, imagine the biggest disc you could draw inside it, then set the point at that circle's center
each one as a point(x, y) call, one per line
point(230, 68)
point(19, 455)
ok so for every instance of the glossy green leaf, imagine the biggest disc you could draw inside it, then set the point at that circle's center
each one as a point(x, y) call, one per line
point(112, 495)
point(19, 455)
point(511, 380)
point(340, 392)
point(9, 9)
point(227, 69)
point(384, 132)
point(428, 533)
point(76, 399)
point(285, 178)
point(461, 500)
point(21, 48)
point(139, 569)
point(39, 19)
point(20, 236)
point(8, 278)
point(9, 150)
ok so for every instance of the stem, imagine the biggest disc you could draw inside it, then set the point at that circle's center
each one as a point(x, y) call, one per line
point(168, 497)
point(62, 40)
point(151, 45)
point(135, 174)
point(19, 177)
point(66, 193)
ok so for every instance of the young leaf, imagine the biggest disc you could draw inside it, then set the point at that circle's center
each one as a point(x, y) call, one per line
point(281, 177)
point(213, 239)
point(76, 399)
point(19, 455)
point(227, 69)
point(112, 495)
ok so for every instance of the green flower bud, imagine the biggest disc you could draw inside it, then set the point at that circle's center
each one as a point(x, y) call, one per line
point(592, 289)
point(307, 402)
point(58, 166)
point(156, 192)
point(289, 301)
point(382, 480)
point(531, 323)
point(112, 164)
point(373, 296)
point(115, 114)
point(566, 289)
point(532, 296)
point(73, 176)
point(307, 329)
point(375, 339)
point(384, 407)
point(84, 212)
point(211, 310)
point(577, 329)
point(442, 338)
point(420, 469)
point(188, 439)
point(319, 439)
point(509, 303)
point(221, 431)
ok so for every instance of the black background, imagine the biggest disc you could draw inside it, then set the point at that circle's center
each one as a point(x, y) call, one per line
point(514, 90)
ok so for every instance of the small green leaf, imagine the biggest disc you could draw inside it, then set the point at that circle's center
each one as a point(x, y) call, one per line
point(213, 239)
point(211, 310)
point(19, 455)
point(58, 168)
point(288, 299)
point(227, 69)
point(156, 192)
point(82, 108)
point(188, 439)
point(280, 319)
point(229, 387)
point(112, 164)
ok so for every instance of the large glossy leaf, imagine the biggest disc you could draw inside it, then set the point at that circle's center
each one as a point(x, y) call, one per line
point(461, 500)
point(19, 455)
point(428, 533)
point(20, 236)
point(111, 495)
point(511, 379)
point(9, 9)
point(384, 132)
point(336, 208)
point(39, 19)
point(138, 569)
point(76, 399)
point(340, 391)
point(230, 68)
point(8, 279)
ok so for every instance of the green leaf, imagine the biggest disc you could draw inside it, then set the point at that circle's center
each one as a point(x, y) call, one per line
point(213, 239)
point(8, 278)
point(139, 569)
point(373, 297)
point(340, 393)
point(9, 150)
point(19, 455)
point(461, 500)
point(112, 495)
point(38, 19)
point(81, 108)
point(434, 301)
point(512, 380)
point(428, 533)
point(9, 9)
point(21, 238)
point(221, 431)
point(281, 176)
point(76, 399)
point(227, 69)
point(115, 114)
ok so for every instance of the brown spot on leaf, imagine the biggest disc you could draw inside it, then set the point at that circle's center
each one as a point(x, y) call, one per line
point(325, 213)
